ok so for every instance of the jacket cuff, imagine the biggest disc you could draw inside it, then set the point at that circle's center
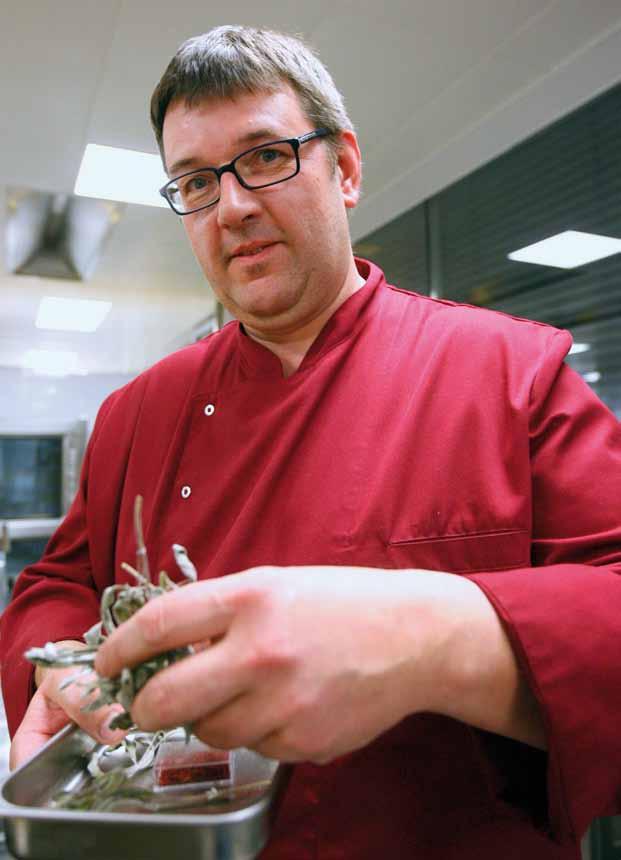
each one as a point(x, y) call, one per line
point(564, 626)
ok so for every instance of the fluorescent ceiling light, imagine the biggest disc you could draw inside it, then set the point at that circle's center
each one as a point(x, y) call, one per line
point(592, 376)
point(51, 362)
point(71, 314)
point(577, 348)
point(121, 174)
point(568, 250)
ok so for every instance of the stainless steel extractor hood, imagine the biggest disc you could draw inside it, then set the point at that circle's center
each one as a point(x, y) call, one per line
point(56, 235)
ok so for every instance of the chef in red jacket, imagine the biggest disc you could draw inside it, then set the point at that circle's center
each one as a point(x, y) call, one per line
point(405, 513)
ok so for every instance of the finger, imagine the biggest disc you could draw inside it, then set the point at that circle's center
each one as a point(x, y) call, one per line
point(72, 701)
point(190, 614)
point(243, 722)
point(278, 745)
point(191, 689)
point(275, 746)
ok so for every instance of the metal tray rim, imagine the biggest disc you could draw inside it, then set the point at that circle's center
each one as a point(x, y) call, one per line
point(10, 810)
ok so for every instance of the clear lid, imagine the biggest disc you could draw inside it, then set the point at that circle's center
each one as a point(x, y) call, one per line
point(193, 764)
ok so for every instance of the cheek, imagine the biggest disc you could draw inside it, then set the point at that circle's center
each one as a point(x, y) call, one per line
point(202, 243)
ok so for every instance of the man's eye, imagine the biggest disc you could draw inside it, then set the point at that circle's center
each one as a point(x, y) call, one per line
point(194, 185)
point(268, 156)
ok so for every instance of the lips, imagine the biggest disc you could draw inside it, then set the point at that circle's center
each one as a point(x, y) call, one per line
point(251, 249)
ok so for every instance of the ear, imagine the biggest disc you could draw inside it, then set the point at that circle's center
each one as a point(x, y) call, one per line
point(349, 168)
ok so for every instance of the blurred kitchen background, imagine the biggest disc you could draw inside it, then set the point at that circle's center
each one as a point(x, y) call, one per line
point(486, 126)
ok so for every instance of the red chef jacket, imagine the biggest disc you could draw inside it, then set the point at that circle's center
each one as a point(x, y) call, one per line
point(416, 433)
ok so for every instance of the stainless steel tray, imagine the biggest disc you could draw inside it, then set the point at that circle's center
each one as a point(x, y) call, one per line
point(231, 829)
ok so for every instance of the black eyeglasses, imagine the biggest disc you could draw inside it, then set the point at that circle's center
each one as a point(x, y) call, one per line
point(267, 164)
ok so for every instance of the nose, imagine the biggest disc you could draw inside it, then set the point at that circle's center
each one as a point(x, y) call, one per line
point(237, 204)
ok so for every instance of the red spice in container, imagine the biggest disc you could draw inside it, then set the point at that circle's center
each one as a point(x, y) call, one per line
point(190, 765)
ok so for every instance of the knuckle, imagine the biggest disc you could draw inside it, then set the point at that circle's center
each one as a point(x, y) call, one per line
point(302, 707)
point(68, 699)
point(261, 586)
point(297, 746)
point(275, 651)
point(258, 659)
point(152, 622)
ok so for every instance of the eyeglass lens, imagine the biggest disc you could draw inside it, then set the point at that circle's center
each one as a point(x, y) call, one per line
point(259, 167)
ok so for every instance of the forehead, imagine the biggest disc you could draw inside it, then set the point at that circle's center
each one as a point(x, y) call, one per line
point(212, 131)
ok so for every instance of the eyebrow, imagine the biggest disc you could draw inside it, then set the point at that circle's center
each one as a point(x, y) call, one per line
point(249, 138)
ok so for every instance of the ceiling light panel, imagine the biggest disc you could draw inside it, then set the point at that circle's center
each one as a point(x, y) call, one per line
point(50, 362)
point(568, 250)
point(124, 175)
point(71, 314)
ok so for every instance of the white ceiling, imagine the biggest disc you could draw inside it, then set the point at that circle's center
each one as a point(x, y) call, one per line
point(435, 89)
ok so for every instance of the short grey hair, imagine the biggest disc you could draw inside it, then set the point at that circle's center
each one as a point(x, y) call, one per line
point(228, 61)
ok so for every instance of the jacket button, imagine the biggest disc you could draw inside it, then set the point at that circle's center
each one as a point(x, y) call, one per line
point(185, 492)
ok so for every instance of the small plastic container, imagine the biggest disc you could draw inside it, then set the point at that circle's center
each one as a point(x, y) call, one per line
point(193, 765)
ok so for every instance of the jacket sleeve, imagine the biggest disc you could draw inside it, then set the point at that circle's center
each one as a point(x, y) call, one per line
point(54, 599)
point(563, 614)
point(59, 596)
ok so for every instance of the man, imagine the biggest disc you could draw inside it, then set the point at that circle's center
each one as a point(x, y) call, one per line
point(404, 512)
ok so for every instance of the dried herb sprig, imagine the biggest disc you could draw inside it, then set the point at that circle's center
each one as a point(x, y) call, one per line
point(139, 748)
point(114, 788)
point(118, 603)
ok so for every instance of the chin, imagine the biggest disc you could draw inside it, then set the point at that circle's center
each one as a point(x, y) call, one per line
point(263, 316)
point(265, 304)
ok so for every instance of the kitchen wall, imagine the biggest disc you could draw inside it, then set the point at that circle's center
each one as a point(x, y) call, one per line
point(40, 403)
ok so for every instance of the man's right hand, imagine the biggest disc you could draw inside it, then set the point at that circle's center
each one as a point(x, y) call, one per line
point(52, 708)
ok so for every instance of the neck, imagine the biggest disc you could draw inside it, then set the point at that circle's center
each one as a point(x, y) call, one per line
point(291, 346)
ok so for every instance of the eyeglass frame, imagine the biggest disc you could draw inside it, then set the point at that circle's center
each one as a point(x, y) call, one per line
point(296, 143)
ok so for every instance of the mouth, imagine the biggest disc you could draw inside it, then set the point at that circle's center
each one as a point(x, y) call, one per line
point(252, 252)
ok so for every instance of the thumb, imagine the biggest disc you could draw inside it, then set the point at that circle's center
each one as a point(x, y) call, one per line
point(41, 721)
point(72, 701)
point(52, 708)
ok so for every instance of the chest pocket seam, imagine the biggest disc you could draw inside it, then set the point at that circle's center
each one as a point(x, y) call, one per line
point(457, 536)
point(440, 552)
